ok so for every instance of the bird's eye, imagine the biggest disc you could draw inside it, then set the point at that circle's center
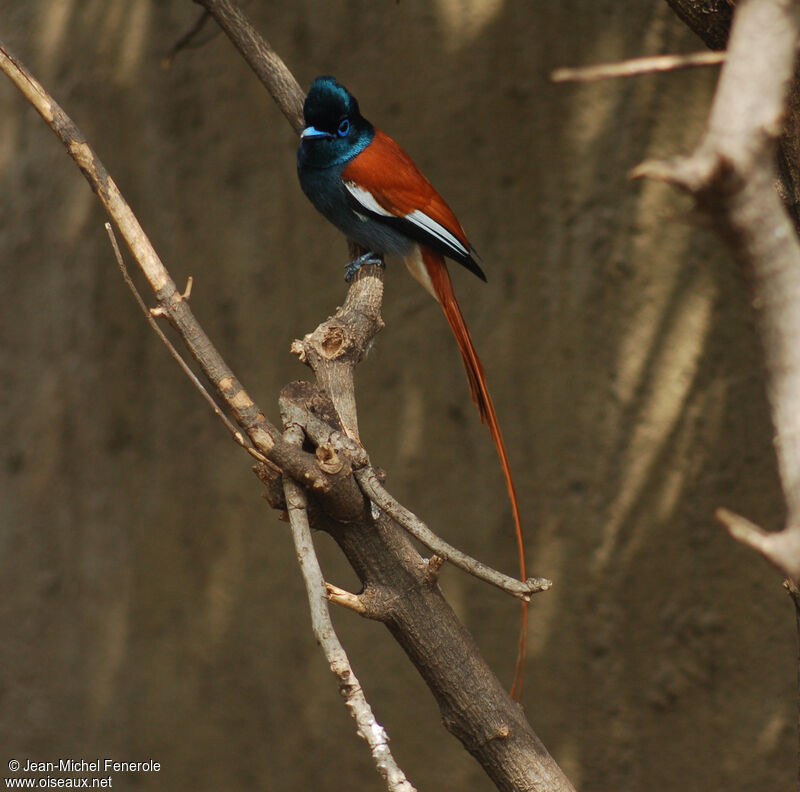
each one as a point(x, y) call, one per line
point(344, 127)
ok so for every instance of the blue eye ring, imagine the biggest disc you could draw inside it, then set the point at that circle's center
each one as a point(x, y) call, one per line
point(343, 130)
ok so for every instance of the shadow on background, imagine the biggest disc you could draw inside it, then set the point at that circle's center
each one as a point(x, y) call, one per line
point(150, 603)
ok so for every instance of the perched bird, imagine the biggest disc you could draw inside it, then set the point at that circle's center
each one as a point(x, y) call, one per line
point(372, 191)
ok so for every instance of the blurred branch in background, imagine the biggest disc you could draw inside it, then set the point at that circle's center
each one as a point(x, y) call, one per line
point(753, 124)
point(731, 175)
point(635, 66)
point(711, 21)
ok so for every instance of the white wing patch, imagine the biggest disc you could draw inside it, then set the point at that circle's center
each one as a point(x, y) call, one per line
point(366, 199)
point(417, 217)
point(437, 230)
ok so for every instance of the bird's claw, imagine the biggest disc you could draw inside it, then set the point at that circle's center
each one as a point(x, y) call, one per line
point(352, 267)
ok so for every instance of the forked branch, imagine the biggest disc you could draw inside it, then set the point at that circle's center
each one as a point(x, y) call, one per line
point(732, 174)
point(399, 587)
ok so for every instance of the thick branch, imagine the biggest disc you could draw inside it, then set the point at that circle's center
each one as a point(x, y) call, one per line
point(731, 174)
point(300, 404)
point(711, 21)
point(339, 344)
point(400, 590)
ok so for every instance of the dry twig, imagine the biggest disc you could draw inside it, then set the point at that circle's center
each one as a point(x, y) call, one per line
point(184, 366)
point(322, 626)
point(635, 66)
point(263, 434)
point(325, 436)
point(261, 58)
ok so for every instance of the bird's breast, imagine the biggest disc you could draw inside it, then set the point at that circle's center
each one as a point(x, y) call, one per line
point(326, 190)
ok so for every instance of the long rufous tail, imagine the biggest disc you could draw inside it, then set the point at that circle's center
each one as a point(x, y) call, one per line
point(436, 269)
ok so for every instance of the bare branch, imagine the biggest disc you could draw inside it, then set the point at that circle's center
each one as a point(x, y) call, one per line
point(400, 590)
point(397, 583)
point(324, 632)
point(264, 435)
point(635, 66)
point(325, 436)
point(372, 488)
point(149, 316)
point(339, 344)
point(731, 174)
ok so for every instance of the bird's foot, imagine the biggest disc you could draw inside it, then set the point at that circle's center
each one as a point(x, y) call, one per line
point(352, 267)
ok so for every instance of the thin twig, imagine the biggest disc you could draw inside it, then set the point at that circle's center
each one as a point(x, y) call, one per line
point(326, 436)
point(187, 39)
point(237, 435)
point(372, 488)
point(349, 686)
point(264, 435)
point(634, 66)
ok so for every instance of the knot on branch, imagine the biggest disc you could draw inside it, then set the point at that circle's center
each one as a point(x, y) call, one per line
point(308, 408)
point(495, 728)
point(332, 462)
point(432, 570)
point(333, 342)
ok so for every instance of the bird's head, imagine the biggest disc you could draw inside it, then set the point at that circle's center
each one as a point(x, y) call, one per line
point(335, 131)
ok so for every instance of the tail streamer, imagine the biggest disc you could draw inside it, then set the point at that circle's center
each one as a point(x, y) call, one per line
point(436, 268)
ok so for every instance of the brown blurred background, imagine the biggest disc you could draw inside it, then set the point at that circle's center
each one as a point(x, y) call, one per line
point(150, 606)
